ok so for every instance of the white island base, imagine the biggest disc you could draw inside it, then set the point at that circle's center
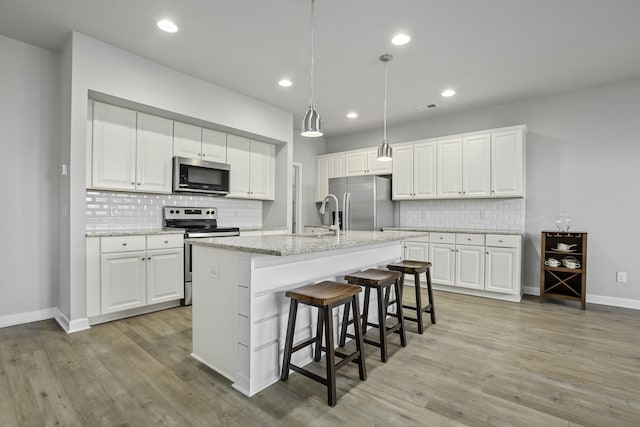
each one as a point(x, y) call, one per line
point(240, 310)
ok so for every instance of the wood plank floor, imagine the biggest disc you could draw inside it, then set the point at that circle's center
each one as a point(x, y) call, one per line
point(485, 363)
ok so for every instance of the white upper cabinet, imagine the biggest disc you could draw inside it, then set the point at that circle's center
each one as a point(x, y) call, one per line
point(402, 182)
point(131, 151)
point(252, 168)
point(365, 162)
point(507, 161)
point(449, 180)
point(476, 166)
point(195, 142)
point(214, 146)
point(414, 171)
point(114, 147)
point(89, 153)
point(187, 140)
point(376, 167)
point(330, 166)
point(262, 174)
point(154, 154)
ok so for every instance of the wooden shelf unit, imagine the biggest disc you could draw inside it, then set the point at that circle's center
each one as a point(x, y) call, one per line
point(562, 282)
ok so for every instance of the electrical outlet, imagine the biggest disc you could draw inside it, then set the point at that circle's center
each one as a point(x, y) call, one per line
point(621, 277)
point(214, 273)
point(114, 211)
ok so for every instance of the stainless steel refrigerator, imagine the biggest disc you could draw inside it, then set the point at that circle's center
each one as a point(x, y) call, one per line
point(365, 202)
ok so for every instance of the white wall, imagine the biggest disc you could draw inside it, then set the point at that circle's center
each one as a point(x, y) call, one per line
point(99, 67)
point(582, 155)
point(29, 81)
point(305, 151)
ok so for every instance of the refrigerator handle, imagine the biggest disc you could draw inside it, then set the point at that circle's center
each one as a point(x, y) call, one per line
point(343, 226)
point(348, 209)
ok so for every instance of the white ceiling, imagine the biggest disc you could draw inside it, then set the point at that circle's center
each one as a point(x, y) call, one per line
point(490, 51)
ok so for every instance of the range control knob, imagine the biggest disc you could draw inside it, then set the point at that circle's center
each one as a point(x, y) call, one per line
point(177, 212)
point(170, 211)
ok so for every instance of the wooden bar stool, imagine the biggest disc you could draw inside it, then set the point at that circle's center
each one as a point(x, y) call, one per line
point(381, 281)
point(416, 268)
point(325, 296)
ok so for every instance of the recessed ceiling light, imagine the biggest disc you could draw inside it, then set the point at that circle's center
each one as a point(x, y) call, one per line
point(167, 26)
point(352, 115)
point(448, 92)
point(285, 83)
point(400, 39)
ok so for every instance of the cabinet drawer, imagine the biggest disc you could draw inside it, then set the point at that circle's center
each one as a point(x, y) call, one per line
point(470, 239)
point(442, 238)
point(420, 239)
point(503, 241)
point(163, 241)
point(122, 244)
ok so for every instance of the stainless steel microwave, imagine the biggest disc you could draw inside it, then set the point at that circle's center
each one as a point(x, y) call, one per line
point(200, 176)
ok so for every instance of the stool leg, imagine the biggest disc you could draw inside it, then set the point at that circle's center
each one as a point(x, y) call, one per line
point(291, 326)
point(365, 313)
point(330, 359)
point(431, 301)
point(382, 322)
point(345, 323)
point(318, 349)
point(403, 335)
point(362, 369)
point(416, 282)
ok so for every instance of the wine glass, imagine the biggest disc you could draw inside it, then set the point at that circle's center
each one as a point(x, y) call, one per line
point(567, 223)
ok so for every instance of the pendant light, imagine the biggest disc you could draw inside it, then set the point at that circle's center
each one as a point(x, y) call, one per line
point(384, 149)
point(311, 122)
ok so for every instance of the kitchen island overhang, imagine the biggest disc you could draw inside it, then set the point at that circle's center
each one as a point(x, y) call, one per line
point(240, 310)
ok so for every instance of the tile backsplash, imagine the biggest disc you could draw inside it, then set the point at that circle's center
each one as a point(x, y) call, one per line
point(485, 214)
point(108, 210)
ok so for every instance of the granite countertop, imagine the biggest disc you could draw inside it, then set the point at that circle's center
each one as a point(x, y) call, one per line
point(132, 232)
point(454, 230)
point(258, 228)
point(295, 244)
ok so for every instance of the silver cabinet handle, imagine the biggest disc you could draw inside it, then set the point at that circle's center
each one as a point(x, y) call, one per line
point(149, 258)
point(139, 183)
point(469, 239)
point(500, 241)
point(133, 183)
point(143, 258)
point(487, 252)
point(124, 243)
point(166, 241)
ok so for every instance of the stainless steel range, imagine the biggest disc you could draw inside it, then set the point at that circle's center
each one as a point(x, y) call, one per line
point(197, 223)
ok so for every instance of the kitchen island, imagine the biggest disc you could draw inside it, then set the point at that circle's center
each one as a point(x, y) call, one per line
point(239, 305)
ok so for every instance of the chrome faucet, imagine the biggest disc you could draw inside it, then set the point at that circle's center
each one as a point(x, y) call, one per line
point(336, 222)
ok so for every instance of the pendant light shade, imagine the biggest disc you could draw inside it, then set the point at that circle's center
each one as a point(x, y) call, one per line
point(384, 149)
point(311, 122)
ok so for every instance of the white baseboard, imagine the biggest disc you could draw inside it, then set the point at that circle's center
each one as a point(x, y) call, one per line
point(596, 299)
point(70, 327)
point(27, 317)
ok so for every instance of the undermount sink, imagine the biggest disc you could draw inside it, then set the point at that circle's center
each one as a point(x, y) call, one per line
point(325, 234)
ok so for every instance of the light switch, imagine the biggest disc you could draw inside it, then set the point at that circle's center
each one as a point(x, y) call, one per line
point(65, 169)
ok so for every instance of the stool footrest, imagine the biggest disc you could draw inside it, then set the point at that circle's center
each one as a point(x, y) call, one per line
point(303, 344)
point(308, 374)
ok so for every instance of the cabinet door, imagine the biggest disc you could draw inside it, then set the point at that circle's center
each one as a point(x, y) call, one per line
point(416, 251)
point(470, 267)
point(507, 163)
point(114, 147)
point(503, 270)
point(356, 163)
point(443, 259)
point(262, 173)
point(449, 182)
point(238, 156)
point(187, 140)
point(402, 182)
point(476, 166)
point(214, 146)
point(424, 170)
point(122, 281)
point(323, 165)
point(154, 154)
point(337, 167)
point(165, 275)
point(376, 167)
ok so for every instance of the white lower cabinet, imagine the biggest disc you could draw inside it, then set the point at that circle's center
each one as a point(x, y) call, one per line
point(476, 263)
point(123, 281)
point(133, 272)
